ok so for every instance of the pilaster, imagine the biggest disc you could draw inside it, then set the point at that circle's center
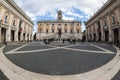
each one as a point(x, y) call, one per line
point(63, 28)
point(96, 31)
point(50, 28)
point(75, 27)
point(102, 31)
point(16, 31)
point(2, 13)
point(111, 35)
point(0, 34)
point(68, 28)
point(21, 36)
point(8, 32)
point(117, 15)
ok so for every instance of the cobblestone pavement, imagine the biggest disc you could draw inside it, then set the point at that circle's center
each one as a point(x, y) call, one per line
point(60, 60)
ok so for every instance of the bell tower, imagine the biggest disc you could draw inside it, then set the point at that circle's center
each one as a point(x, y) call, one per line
point(59, 16)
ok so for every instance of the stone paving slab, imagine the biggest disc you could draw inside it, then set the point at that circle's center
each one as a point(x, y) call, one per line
point(29, 47)
point(10, 47)
point(108, 47)
point(60, 61)
point(59, 44)
point(86, 48)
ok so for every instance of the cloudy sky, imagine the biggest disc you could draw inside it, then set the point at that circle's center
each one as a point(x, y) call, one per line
point(72, 9)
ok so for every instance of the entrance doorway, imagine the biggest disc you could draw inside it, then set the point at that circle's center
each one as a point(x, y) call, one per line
point(19, 34)
point(99, 36)
point(12, 35)
point(116, 36)
point(3, 35)
point(94, 37)
point(90, 37)
point(106, 36)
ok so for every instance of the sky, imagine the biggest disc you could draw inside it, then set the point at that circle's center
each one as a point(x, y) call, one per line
point(80, 10)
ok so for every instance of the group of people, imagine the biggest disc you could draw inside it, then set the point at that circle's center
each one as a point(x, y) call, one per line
point(71, 41)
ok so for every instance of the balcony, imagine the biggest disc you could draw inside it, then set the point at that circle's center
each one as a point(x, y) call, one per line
point(13, 27)
point(20, 29)
point(115, 24)
point(4, 24)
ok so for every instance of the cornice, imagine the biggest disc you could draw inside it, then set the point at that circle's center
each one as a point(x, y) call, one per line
point(106, 7)
point(18, 9)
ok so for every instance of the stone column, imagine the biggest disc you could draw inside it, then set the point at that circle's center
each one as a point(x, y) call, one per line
point(25, 32)
point(119, 34)
point(68, 28)
point(50, 28)
point(92, 33)
point(44, 28)
point(75, 27)
point(96, 31)
point(30, 33)
point(0, 34)
point(8, 31)
point(25, 36)
point(21, 36)
point(111, 35)
point(88, 33)
point(117, 15)
point(102, 30)
point(16, 31)
point(2, 13)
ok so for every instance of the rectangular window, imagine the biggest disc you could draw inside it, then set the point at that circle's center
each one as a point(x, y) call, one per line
point(20, 24)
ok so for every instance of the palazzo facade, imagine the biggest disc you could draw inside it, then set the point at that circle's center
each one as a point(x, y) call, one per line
point(104, 25)
point(51, 29)
point(15, 25)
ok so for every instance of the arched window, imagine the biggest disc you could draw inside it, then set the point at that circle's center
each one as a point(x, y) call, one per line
point(113, 19)
point(14, 23)
point(40, 28)
point(6, 18)
point(78, 28)
point(0, 9)
point(78, 31)
point(20, 24)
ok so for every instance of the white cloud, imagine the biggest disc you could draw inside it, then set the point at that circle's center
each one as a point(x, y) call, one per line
point(68, 18)
point(40, 7)
point(35, 8)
